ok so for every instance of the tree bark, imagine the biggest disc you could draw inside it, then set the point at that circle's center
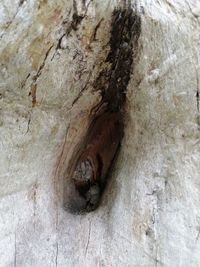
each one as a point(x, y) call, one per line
point(60, 60)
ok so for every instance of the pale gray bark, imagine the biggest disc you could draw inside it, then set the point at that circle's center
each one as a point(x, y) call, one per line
point(149, 215)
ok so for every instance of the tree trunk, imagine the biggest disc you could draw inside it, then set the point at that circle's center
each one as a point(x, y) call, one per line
point(59, 60)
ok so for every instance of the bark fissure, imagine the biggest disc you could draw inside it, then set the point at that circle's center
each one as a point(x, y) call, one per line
point(39, 72)
point(28, 125)
point(198, 92)
point(94, 34)
point(33, 91)
point(73, 25)
point(25, 80)
point(83, 89)
point(197, 97)
point(88, 239)
point(56, 260)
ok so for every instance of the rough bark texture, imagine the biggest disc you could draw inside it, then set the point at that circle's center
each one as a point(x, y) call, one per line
point(54, 57)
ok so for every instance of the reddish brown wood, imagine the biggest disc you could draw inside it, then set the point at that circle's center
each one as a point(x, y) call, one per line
point(91, 171)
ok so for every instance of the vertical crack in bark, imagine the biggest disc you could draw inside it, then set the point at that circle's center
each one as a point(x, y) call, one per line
point(197, 96)
point(88, 240)
point(28, 125)
point(83, 89)
point(33, 91)
point(94, 34)
point(33, 94)
point(73, 25)
point(35, 187)
point(24, 81)
point(56, 254)
point(198, 92)
point(42, 65)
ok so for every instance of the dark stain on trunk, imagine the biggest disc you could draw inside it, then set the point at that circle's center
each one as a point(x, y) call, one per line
point(102, 141)
point(113, 82)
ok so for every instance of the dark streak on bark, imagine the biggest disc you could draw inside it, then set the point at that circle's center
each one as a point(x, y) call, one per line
point(33, 91)
point(25, 80)
point(33, 94)
point(34, 197)
point(76, 18)
point(113, 82)
point(93, 37)
point(198, 100)
point(82, 90)
point(42, 65)
point(28, 126)
point(198, 92)
point(73, 25)
point(58, 46)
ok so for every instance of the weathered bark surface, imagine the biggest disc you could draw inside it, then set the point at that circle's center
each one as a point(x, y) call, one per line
point(51, 55)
